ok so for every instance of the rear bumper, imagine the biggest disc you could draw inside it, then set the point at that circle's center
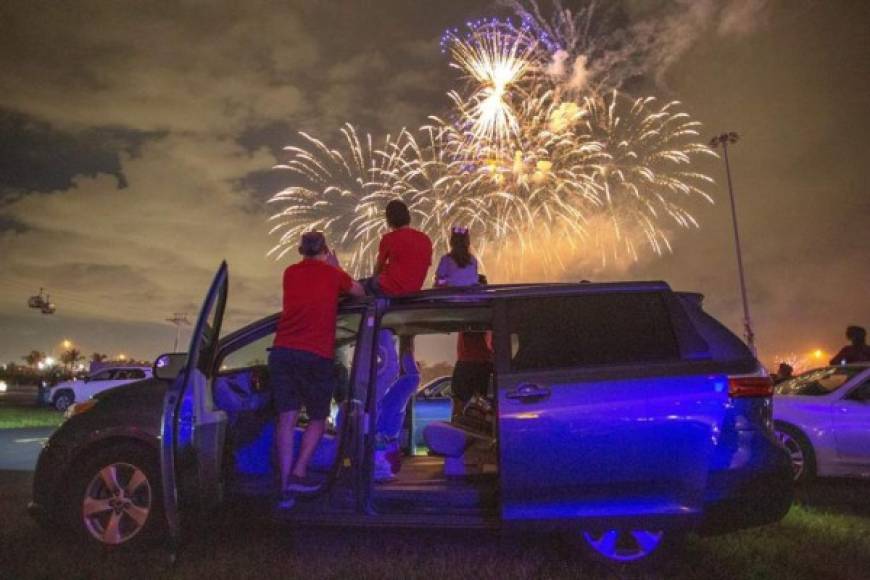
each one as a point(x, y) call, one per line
point(752, 500)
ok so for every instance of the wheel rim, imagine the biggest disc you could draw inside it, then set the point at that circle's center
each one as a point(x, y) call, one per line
point(795, 452)
point(624, 545)
point(62, 403)
point(117, 503)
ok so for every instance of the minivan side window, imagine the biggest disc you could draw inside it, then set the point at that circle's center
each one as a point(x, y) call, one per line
point(590, 329)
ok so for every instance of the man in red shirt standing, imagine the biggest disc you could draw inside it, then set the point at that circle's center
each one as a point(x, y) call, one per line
point(301, 367)
point(404, 255)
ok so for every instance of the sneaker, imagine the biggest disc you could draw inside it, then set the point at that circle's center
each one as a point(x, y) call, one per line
point(383, 467)
point(286, 501)
point(302, 484)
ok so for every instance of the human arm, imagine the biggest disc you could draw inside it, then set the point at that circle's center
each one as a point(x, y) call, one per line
point(356, 289)
point(349, 286)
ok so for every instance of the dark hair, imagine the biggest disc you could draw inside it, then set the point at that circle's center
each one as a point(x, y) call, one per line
point(856, 334)
point(312, 244)
point(397, 214)
point(460, 248)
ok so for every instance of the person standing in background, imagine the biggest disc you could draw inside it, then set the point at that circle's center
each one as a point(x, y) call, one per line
point(858, 351)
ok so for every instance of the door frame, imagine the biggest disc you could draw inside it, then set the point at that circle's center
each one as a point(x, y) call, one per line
point(171, 437)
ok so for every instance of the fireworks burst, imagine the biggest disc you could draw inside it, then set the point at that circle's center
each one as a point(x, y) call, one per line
point(338, 194)
point(645, 173)
point(529, 157)
point(496, 59)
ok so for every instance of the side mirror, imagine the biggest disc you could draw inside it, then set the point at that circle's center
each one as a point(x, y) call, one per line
point(167, 366)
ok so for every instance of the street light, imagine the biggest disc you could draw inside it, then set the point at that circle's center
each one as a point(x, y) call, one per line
point(724, 140)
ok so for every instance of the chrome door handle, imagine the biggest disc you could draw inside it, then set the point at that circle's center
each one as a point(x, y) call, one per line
point(528, 391)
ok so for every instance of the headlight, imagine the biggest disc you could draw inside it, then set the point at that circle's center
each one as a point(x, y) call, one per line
point(79, 408)
point(3, 386)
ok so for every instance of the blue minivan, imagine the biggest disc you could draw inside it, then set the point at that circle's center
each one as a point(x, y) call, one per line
point(620, 414)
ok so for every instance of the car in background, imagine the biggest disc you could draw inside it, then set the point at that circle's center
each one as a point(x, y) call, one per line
point(64, 394)
point(433, 402)
point(822, 418)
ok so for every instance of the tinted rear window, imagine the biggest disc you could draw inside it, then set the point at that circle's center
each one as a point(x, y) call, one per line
point(590, 329)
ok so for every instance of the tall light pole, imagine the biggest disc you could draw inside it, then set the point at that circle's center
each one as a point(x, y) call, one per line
point(724, 140)
point(178, 319)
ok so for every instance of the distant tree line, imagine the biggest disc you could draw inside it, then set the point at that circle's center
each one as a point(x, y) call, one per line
point(34, 371)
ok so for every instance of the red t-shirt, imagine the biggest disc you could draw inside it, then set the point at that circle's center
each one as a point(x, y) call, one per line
point(406, 254)
point(311, 290)
point(474, 347)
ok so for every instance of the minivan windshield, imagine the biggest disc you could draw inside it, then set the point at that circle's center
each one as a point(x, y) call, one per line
point(817, 382)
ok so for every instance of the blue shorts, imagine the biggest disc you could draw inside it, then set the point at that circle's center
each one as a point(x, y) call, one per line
point(301, 379)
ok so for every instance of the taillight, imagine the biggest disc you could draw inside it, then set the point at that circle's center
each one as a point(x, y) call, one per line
point(743, 387)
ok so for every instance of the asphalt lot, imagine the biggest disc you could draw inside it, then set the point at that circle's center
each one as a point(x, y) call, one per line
point(19, 448)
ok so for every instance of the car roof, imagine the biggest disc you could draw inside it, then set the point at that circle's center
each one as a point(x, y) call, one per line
point(480, 293)
point(463, 293)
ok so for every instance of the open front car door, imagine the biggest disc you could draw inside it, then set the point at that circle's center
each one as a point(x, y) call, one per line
point(193, 430)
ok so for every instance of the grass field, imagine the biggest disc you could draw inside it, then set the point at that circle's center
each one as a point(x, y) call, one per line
point(17, 417)
point(828, 536)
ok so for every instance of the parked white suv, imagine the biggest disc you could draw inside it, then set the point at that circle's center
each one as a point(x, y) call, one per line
point(62, 395)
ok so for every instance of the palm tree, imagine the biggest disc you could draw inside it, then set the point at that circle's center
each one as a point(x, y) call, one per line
point(98, 357)
point(70, 357)
point(34, 357)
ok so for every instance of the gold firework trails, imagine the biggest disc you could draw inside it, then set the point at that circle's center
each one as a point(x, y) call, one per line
point(546, 177)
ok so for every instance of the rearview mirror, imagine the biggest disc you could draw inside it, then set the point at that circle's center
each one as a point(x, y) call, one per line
point(167, 366)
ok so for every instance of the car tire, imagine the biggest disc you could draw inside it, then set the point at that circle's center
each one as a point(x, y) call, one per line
point(116, 499)
point(63, 400)
point(800, 451)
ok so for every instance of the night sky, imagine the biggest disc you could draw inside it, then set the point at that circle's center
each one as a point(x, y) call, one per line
point(137, 140)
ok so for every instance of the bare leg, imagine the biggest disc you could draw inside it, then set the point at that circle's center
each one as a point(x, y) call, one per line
point(286, 425)
point(310, 439)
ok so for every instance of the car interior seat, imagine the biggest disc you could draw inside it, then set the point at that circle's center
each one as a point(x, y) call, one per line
point(467, 442)
point(394, 404)
point(465, 451)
